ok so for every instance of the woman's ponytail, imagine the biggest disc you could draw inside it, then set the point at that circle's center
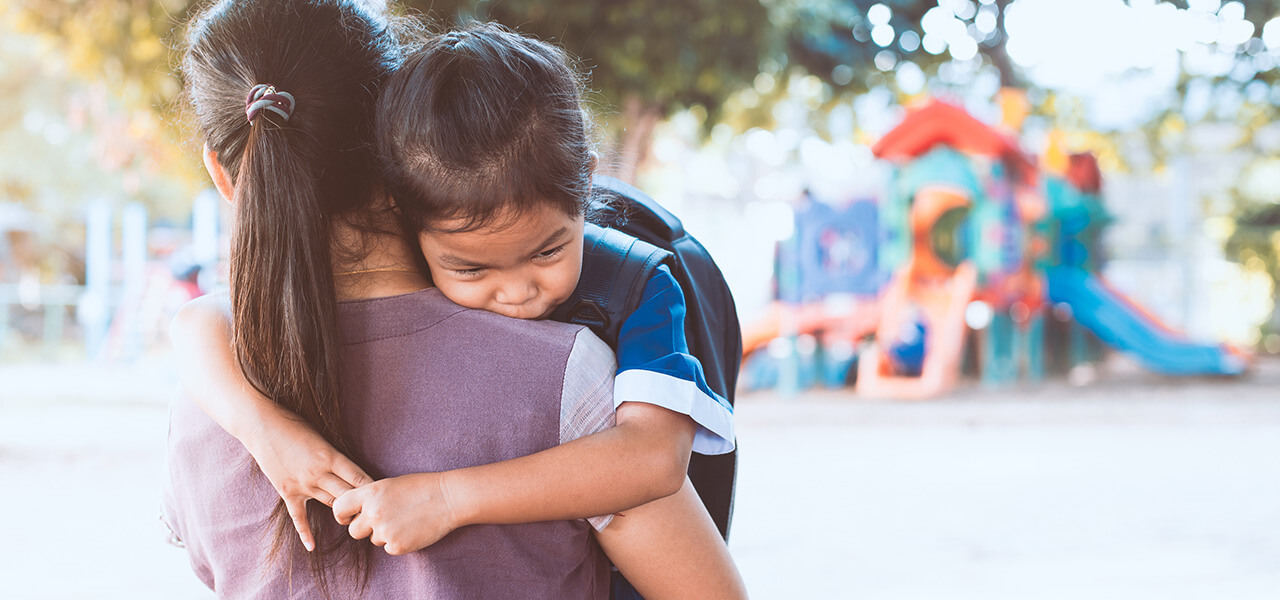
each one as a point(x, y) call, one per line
point(283, 301)
point(284, 308)
point(283, 92)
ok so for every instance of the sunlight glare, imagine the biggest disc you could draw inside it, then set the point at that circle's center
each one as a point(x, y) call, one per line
point(879, 14)
point(1271, 34)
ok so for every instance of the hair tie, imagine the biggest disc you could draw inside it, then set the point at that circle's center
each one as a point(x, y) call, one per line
point(265, 97)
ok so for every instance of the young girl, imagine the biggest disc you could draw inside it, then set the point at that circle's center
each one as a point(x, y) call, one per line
point(486, 152)
point(489, 157)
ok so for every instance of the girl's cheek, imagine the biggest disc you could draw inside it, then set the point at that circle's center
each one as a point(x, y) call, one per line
point(469, 295)
point(452, 291)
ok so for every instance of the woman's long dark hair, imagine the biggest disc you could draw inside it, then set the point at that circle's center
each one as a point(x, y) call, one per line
point(480, 121)
point(293, 177)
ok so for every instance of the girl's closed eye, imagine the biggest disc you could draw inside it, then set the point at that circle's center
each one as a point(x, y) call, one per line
point(468, 273)
point(551, 254)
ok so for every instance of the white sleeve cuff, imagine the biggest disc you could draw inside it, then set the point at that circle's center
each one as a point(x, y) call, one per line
point(586, 395)
point(715, 421)
point(585, 398)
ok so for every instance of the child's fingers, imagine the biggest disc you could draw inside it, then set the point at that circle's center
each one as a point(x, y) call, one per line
point(329, 487)
point(351, 473)
point(346, 508)
point(323, 496)
point(359, 529)
point(395, 549)
point(297, 508)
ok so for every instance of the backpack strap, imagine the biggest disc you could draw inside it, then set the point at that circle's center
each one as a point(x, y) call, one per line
point(615, 268)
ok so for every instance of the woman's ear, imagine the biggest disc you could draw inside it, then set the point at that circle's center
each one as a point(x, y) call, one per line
point(595, 161)
point(219, 175)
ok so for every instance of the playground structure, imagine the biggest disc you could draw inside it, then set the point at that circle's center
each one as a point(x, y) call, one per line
point(979, 248)
point(1106, 313)
point(828, 286)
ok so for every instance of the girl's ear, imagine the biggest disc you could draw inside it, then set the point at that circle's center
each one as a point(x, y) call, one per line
point(219, 175)
point(595, 161)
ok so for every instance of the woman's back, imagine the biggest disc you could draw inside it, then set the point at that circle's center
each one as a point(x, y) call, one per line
point(431, 386)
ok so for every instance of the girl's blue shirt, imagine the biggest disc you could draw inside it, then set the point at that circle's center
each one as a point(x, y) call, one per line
point(655, 366)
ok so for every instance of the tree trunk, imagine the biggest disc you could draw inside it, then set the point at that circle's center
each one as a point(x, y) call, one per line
point(639, 119)
point(998, 53)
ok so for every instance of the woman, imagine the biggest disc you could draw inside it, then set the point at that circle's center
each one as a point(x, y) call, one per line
point(311, 228)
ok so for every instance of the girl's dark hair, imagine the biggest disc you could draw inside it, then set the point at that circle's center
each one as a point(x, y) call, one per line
point(482, 121)
point(293, 177)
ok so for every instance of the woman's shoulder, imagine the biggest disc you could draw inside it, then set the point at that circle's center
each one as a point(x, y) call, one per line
point(201, 316)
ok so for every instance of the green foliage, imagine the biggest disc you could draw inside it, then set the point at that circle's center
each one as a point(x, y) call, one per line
point(834, 40)
point(666, 55)
point(126, 44)
point(662, 56)
point(81, 125)
point(1255, 244)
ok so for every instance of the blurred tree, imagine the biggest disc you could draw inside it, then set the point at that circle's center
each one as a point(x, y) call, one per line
point(1239, 96)
point(1252, 235)
point(66, 142)
point(645, 59)
point(1254, 242)
point(649, 59)
point(849, 43)
point(124, 42)
point(89, 92)
point(1226, 102)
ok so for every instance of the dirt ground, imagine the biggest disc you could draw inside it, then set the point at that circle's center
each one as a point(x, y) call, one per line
point(1131, 486)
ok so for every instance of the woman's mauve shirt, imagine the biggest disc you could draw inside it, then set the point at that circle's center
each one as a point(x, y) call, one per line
point(428, 386)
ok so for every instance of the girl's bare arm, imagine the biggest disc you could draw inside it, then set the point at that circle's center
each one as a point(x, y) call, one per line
point(643, 458)
point(668, 548)
point(611, 471)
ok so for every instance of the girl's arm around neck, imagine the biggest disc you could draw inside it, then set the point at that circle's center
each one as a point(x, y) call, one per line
point(641, 459)
point(644, 458)
point(609, 472)
point(298, 461)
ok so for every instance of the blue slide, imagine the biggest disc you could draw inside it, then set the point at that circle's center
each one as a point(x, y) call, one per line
point(1115, 321)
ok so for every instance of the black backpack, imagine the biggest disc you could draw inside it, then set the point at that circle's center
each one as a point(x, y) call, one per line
point(614, 272)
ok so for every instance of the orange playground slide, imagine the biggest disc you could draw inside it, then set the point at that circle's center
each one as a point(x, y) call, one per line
point(943, 303)
point(926, 288)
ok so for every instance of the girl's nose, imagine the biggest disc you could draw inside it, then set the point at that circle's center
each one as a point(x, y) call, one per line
point(515, 293)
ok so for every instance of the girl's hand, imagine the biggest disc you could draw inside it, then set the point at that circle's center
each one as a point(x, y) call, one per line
point(402, 514)
point(302, 465)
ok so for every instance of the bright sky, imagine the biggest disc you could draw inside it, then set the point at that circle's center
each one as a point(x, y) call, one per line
point(1124, 57)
